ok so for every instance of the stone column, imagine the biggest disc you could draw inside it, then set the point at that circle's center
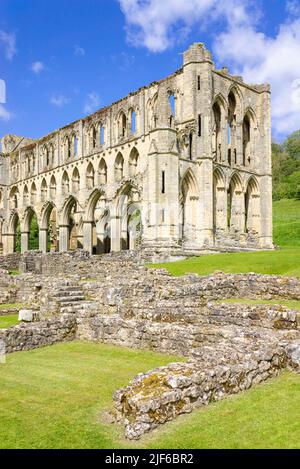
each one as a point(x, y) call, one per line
point(8, 240)
point(63, 238)
point(43, 238)
point(115, 224)
point(24, 242)
point(88, 236)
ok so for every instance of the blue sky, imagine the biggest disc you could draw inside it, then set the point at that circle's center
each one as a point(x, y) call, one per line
point(64, 59)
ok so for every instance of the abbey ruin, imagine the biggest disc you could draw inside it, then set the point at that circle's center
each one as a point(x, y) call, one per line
point(180, 166)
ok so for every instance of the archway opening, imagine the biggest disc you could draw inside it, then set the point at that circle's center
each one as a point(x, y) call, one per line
point(33, 240)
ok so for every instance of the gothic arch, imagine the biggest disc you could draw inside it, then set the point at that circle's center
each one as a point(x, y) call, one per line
point(119, 167)
point(102, 172)
point(189, 200)
point(75, 180)
point(133, 162)
point(90, 176)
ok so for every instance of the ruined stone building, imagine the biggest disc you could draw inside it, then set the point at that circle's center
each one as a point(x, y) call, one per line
point(178, 166)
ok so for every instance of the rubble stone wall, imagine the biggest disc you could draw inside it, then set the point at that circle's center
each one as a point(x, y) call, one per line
point(28, 336)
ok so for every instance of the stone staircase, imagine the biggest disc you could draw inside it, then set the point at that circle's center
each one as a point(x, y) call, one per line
point(70, 299)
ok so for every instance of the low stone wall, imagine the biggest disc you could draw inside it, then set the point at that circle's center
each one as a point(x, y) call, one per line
point(156, 397)
point(11, 261)
point(179, 334)
point(28, 336)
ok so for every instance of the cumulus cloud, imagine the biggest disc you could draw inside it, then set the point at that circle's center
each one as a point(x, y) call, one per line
point(238, 41)
point(79, 51)
point(92, 102)
point(37, 67)
point(158, 24)
point(59, 100)
point(5, 115)
point(271, 60)
point(8, 44)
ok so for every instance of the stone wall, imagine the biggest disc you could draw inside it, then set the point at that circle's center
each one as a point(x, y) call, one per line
point(156, 397)
point(10, 261)
point(28, 336)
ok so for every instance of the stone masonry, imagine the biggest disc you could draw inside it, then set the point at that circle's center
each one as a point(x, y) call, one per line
point(115, 299)
point(180, 166)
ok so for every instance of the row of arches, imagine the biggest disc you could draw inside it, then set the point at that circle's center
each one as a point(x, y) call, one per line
point(236, 208)
point(98, 228)
point(71, 183)
point(234, 130)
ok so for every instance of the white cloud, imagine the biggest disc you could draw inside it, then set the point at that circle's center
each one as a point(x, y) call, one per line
point(59, 100)
point(271, 60)
point(92, 103)
point(158, 24)
point(5, 115)
point(8, 43)
point(237, 42)
point(37, 67)
point(79, 51)
point(293, 7)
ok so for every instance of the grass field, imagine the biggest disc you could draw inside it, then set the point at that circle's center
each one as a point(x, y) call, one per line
point(8, 321)
point(284, 261)
point(57, 397)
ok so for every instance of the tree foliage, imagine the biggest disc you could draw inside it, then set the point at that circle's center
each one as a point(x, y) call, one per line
point(286, 168)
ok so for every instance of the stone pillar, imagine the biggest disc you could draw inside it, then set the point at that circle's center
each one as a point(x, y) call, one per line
point(8, 240)
point(115, 224)
point(24, 242)
point(63, 238)
point(88, 236)
point(43, 238)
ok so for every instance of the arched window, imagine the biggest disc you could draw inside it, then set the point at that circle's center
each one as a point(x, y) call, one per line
point(119, 164)
point(44, 190)
point(25, 196)
point(13, 198)
point(102, 172)
point(67, 148)
point(217, 141)
point(133, 162)
point(51, 154)
point(75, 145)
point(102, 135)
point(33, 194)
point(172, 104)
point(133, 122)
point(246, 140)
point(65, 186)
point(122, 125)
point(52, 187)
point(93, 137)
point(90, 176)
point(46, 156)
point(75, 181)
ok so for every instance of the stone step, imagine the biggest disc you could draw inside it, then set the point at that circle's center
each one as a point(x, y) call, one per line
point(71, 294)
point(71, 299)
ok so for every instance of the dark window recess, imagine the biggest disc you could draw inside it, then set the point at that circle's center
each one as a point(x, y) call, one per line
point(163, 216)
point(199, 125)
point(163, 182)
point(199, 83)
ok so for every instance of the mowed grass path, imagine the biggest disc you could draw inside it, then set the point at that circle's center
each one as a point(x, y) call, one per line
point(56, 397)
point(285, 261)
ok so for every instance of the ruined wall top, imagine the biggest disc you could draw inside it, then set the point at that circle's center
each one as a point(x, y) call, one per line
point(196, 53)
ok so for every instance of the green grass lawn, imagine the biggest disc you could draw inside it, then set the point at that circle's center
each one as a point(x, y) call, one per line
point(8, 321)
point(285, 261)
point(57, 397)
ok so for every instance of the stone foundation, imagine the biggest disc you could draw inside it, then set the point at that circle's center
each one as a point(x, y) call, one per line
point(156, 397)
point(38, 334)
